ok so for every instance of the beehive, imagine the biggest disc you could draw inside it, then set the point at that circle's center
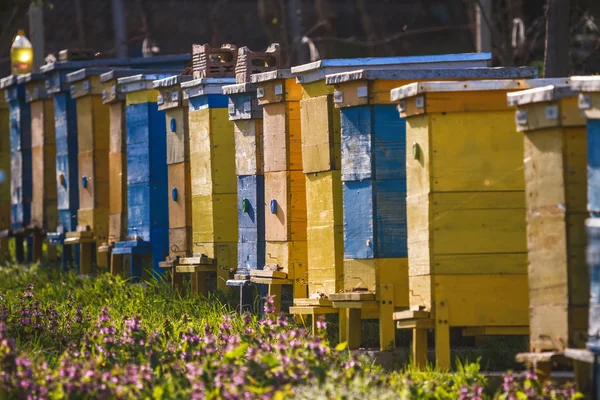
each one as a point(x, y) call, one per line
point(213, 185)
point(285, 191)
point(20, 164)
point(93, 143)
point(66, 134)
point(321, 162)
point(373, 175)
point(147, 182)
point(175, 106)
point(4, 179)
point(467, 247)
point(588, 88)
point(44, 212)
point(555, 148)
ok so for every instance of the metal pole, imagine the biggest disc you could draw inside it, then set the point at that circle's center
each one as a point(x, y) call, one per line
point(36, 33)
point(483, 13)
point(118, 12)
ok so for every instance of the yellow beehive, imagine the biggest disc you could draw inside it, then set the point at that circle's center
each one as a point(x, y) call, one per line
point(93, 133)
point(44, 207)
point(555, 145)
point(374, 188)
point(467, 247)
point(285, 188)
point(213, 182)
point(4, 178)
point(321, 162)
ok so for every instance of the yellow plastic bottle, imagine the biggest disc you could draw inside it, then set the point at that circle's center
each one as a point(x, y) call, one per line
point(21, 54)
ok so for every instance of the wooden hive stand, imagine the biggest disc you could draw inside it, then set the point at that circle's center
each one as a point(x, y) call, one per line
point(374, 189)
point(467, 246)
point(44, 212)
point(5, 181)
point(212, 164)
point(555, 148)
point(321, 164)
point(175, 106)
point(285, 190)
point(19, 125)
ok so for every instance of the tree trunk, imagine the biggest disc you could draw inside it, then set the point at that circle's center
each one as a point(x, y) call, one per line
point(556, 59)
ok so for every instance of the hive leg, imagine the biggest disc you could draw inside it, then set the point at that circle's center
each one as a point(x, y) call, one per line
point(51, 253)
point(419, 347)
point(85, 258)
point(30, 245)
point(102, 258)
point(38, 245)
point(19, 249)
point(275, 292)
point(387, 330)
point(353, 325)
point(246, 299)
point(223, 268)
point(543, 369)
point(442, 346)
point(199, 283)
point(116, 264)
point(4, 255)
point(135, 267)
point(343, 325)
point(176, 279)
point(582, 376)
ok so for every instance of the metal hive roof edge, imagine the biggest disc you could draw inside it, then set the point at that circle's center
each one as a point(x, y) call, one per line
point(540, 95)
point(172, 81)
point(138, 82)
point(8, 81)
point(115, 62)
point(204, 86)
point(32, 76)
point(272, 75)
point(115, 73)
point(85, 73)
point(349, 62)
point(239, 88)
point(586, 83)
point(207, 81)
point(416, 88)
point(425, 73)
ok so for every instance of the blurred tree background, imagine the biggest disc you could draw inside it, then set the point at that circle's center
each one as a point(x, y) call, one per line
point(309, 29)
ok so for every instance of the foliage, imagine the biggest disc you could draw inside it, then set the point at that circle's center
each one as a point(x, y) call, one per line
point(62, 336)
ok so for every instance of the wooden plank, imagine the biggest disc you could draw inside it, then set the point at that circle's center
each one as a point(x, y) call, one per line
point(180, 242)
point(180, 199)
point(357, 141)
point(248, 147)
point(182, 269)
point(418, 157)
point(361, 305)
point(320, 135)
point(141, 97)
point(276, 137)
point(483, 300)
point(178, 142)
point(292, 257)
point(593, 136)
point(312, 302)
point(475, 230)
point(117, 227)
point(410, 314)
point(316, 89)
point(368, 274)
point(211, 218)
point(260, 273)
point(575, 139)
point(85, 124)
point(251, 219)
point(117, 127)
point(464, 145)
point(496, 331)
point(117, 165)
point(277, 198)
point(352, 296)
point(101, 124)
point(271, 281)
point(312, 310)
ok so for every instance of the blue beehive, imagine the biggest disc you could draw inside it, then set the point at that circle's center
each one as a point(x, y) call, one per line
point(66, 132)
point(20, 160)
point(147, 183)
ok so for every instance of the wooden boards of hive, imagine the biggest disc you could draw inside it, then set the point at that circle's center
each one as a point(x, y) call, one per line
point(20, 152)
point(147, 182)
point(466, 201)
point(555, 170)
point(247, 117)
point(178, 163)
point(213, 179)
point(285, 188)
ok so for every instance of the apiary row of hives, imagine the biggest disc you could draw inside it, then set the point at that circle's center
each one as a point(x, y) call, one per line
point(429, 192)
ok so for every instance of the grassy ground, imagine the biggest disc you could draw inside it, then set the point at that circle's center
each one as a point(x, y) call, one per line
point(67, 337)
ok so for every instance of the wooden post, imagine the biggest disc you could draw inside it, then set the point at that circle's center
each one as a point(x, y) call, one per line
point(38, 242)
point(199, 283)
point(36, 34)
point(483, 15)
point(442, 337)
point(353, 325)
point(85, 260)
point(419, 347)
point(116, 264)
point(19, 249)
point(275, 292)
